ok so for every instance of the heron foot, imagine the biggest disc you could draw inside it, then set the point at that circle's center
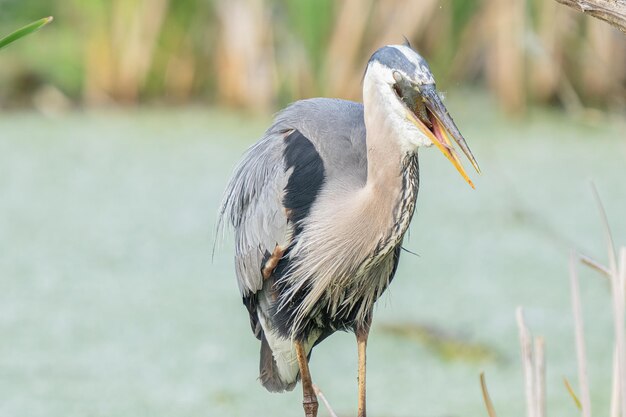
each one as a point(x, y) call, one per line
point(310, 405)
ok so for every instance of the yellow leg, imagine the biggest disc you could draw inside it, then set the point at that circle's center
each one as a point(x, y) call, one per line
point(309, 401)
point(361, 340)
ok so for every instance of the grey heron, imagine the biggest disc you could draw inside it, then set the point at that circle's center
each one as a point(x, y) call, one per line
point(320, 205)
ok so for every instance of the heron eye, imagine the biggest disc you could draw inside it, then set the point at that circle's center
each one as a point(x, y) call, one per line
point(397, 76)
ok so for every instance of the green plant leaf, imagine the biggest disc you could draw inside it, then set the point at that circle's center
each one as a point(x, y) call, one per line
point(572, 393)
point(26, 30)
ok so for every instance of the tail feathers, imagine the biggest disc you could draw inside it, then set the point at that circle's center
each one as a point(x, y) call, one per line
point(268, 370)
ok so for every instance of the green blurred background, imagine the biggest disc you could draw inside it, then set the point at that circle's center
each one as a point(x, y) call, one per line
point(262, 54)
point(120, 124)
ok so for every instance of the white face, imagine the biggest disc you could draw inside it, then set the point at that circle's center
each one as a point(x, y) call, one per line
point(378, 92)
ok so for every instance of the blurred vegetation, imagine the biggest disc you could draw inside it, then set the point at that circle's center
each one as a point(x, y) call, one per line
point(261, 54)
point(446, 346)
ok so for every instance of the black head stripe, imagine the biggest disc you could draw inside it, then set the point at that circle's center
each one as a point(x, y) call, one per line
point(417, 69)
point(393, 58)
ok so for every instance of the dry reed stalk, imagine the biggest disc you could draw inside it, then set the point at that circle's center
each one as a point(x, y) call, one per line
point(546, 54)
point(621, 274)
point(618, 296)
point(437, 37)
point(527, 363)
point(618, 398)
point(322, 397)
point(245, 54)
point(399, 18)
point(468, 59)
point(505, 52)
point(622, 267)
point(540, 377)
point(569, 97)
point(615, 389)
point(345, 45)
point(98, 66)
point(297, 72)
point(135, 33)
point(486, 397)
point(180, 74)
point(604, 55)
point(119, 55)
point(180, 68)
point(585, 398)
point(534, 368)
point(546, 62)
point(595, 265)
point(548, 77)
point(607, 231)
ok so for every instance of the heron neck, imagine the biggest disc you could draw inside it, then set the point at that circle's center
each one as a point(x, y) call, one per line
point(386, 156)
point(392, 170)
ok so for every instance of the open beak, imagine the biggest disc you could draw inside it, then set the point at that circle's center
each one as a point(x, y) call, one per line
point(441, 128)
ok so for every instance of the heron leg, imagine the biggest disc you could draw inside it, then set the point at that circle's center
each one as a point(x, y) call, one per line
point(361, 340)
point(309, 401)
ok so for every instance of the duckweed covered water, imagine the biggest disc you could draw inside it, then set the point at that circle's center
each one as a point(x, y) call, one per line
point(110, 304)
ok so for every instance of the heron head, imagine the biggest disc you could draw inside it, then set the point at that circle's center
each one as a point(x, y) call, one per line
point(407, 86)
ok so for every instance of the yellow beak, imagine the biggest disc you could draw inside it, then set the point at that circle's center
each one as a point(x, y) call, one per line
point(443, 129)
point(444, 144)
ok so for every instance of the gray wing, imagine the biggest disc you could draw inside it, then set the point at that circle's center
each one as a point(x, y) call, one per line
point(252, 204)
point(255, 201)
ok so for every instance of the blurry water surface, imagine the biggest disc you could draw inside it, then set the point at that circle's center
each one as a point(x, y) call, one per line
point(110, 303)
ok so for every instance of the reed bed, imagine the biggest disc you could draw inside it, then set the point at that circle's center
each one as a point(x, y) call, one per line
point(261, 54)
